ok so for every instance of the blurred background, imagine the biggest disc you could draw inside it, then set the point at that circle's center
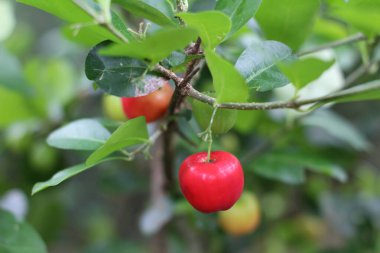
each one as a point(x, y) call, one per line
point(316, 176)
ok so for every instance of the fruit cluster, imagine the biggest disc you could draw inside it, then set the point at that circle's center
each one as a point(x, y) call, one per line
point(210, 183)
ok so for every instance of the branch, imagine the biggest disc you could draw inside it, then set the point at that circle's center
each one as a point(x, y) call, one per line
point(348, 40)
point(188, 90)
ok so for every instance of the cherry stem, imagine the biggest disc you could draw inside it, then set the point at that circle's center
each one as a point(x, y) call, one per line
point(209, 133)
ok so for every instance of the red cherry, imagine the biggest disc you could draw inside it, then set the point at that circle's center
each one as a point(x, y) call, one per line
point(211, 186)
point(153, 106)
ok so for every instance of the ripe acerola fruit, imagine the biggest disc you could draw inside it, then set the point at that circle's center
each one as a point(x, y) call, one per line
point(112, 108)
point(214, 185)
point(224, 119)
point(152, 106)
point(243, 217)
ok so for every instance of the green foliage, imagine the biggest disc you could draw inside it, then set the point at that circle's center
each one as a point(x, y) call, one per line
point(40, 94)
point(92, 34)
point(229, 85)
point(65, 174)
point(213, 26)
point(119, 76)
point(354, 11)
point(155, 47)
point(64, 9)
point(240, 11)
point(159, 12)
point(289, 166)
point(132, 132)
point(223, 121)
point(304, 71)
point(258, 65)
point(69, 11)
point(83, 134)
point(287, 21)
point(18, 237)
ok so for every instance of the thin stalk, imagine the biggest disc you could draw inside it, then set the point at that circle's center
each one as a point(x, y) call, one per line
point(209, 134)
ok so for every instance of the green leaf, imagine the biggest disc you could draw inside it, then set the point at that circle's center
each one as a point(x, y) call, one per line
point(65, 174)
point(288, 21)
point(176, 59)
point(258, 65)
point(18, 237)
point(359, 14)
point(155, 47)
point(240, 11)
point(83, 134)
point(132, 132)
point(159, 12)
point(213, 26)
point(71, 12)
point(14, 107)
point(119, 76)
point(228, 83)
point(92, 34)
point(64, 9)
point(304, 71)
point(289, 166)
point(338, 128)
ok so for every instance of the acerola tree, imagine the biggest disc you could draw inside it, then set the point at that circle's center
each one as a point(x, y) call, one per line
point(158, 74)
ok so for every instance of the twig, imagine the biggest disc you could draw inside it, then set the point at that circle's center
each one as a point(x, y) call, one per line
point(348, 40)
point(357, 73)
point(188, 90)
point(153, 138)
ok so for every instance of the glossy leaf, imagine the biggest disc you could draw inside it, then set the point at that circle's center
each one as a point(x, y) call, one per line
point(289, 167)
point(258, 65)
point(229, 84)
point(71, 12)
point(65, 174)
point(83, 134)
point(304, 71)
point(92, 34)
point(155, 47)
point(287, 21)
point(119, 76)
point(213, 26)
point(64, 9)
point(159, 12)
point(18, 237)
point(132, 132)
point(240, 11)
